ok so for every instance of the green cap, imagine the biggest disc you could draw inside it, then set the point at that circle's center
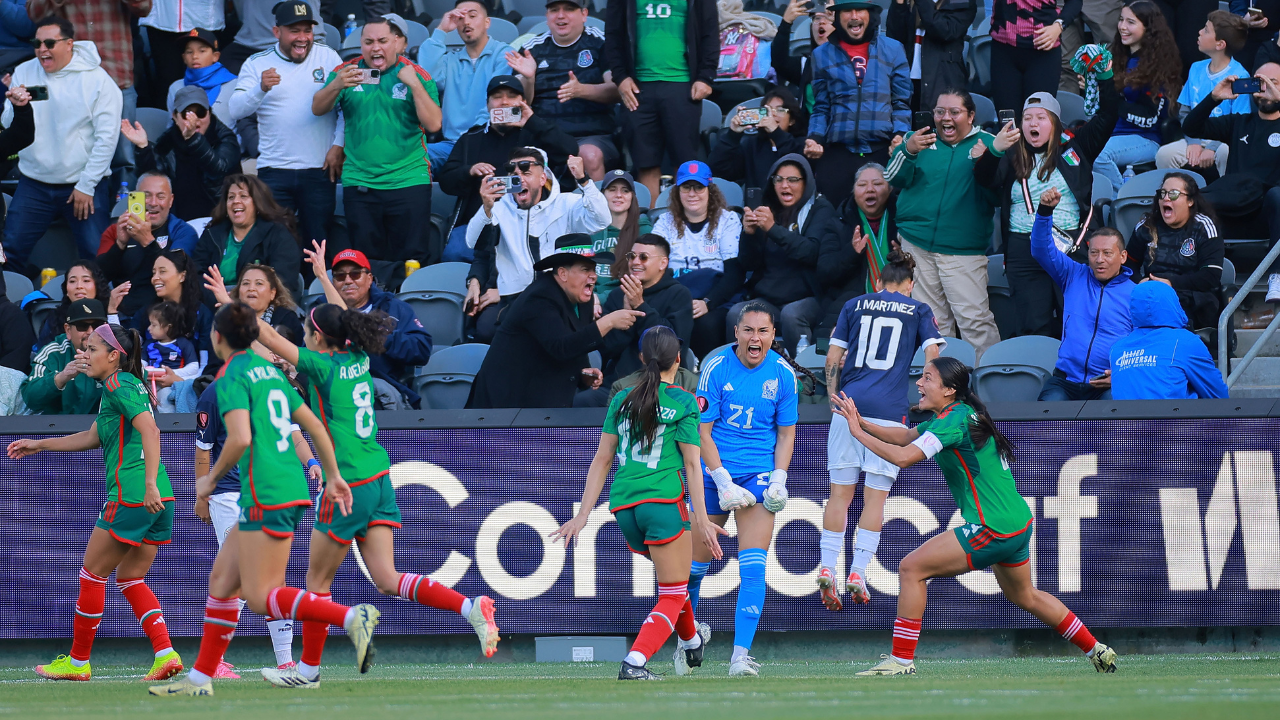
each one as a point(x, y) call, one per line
point(853, 5)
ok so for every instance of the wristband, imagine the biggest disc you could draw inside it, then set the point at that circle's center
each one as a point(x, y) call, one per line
point(778, 477)
point(722, 478)
point(312, 463)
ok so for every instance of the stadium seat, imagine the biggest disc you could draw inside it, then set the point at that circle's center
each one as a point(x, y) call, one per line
point(442, 203)
point(1134, 198)
point(956, 348)
point(752, 103)
point(155, 121)
point(332, 36)
point(664, 199)
point(1000, 298)
point(314, 295)
point(445, 381)
point(732, 191)
point(1015, 370)
point(532, 26)
point(711, 117)
point(503, 30)
point(980, 55)
point(437, 294)
point(985, 113)
point(1072, 108)
point(1103, 196)
point(801, 35)
point(450, 39)
point(199, 224)
point(17, 286)
point(40, 311)
point(53, 288)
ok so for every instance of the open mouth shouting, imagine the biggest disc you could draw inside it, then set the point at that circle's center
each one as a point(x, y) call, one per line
point(755, 351)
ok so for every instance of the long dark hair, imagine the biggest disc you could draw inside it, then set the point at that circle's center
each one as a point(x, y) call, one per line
point(626, 236)
point(340, 327)
point(192, 285)
point(760, 306)
point(955, 375)
point(899, 267)
point(131, 359)
point(1024, 160)
point(799, 118)
point(101, 291)
point(237, 323)
point(1159, 66)
point(660, 348)
point(716, 205)
point(264, 203)
point(1200, 205)
point(783, 215)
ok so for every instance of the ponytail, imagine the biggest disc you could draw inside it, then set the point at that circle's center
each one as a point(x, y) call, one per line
point(800, 369)
point(130, 351)
point(955, 375)
point(342, 327)
point(661, 349)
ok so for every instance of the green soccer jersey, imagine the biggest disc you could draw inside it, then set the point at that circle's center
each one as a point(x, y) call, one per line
point(660, 41)
point(124, 397)
point(386, 147)
point(342, 397)
point(270, 477)
point(978, 477)
point(652, 474)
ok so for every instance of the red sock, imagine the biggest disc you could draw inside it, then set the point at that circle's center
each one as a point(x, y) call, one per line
point(220, 618)
point(430, 593)
point(147, 609)
point(661, 621)
point(906, 634)
point(286, 603)
point(93, 596)
point(314, 635)
point(1072, 629)
point(686, 625)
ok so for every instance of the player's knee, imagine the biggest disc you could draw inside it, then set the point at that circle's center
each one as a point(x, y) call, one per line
point(258, 604)
point(911, 570)
point(1024, 598)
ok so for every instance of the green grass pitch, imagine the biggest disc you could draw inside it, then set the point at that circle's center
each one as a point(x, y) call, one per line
point(1163, 687)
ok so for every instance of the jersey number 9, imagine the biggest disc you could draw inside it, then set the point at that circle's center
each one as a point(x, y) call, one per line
point(278, 407)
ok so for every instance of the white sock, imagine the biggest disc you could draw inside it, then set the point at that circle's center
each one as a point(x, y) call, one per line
point(1088, 654)
point(310, 672)
point(692, 643)
point(635, 659)
point(346, 619)
point(739, 652)
point(282, 640)
point(466, 607)
point(198, 677)
point(77, 663)
point(900, 661)
point(832, 543)
point(164, 652)
point(865, 544)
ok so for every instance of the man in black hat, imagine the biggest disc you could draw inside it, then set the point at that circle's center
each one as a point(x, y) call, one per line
point(538, 358)
point(58, 385)
point(484, 149)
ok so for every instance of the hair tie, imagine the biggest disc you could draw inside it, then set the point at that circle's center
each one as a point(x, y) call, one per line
point(105, 332)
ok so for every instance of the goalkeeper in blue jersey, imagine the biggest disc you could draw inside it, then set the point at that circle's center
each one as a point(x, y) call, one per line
point(747, 394)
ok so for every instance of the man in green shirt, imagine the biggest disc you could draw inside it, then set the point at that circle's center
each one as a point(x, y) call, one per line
point(663, 55)
point(58, 384)
point(387, 174)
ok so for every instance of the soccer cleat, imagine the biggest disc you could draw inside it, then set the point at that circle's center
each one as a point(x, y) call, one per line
point(889, 666)
point(827, 587)
point(736, 498)
point(165, 667)
point(745, 666)
point(631, 672)
point(62, 669)
point(289, 678)
point(361, 634)
point(481, 618)
point(183, 687)
point(687, 660)
point(1103, 658)
point(704, 631)
point(225, 671)
point(287, 666)
point(857, 588)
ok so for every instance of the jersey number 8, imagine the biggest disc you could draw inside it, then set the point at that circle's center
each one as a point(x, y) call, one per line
point(870, 335)
point(278, 407)
point(362, 396)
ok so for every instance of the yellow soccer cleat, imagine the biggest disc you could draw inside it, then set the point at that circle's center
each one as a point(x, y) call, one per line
point(62, 669)
point(889, 666)
point(363, 621)
point(165, 667)
point(1103, 658)
point(182, 688)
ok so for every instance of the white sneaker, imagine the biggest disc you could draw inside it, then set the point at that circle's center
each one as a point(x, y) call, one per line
point(745, 665)
point(1273, 288)
point(889, 666)
point(289, 678)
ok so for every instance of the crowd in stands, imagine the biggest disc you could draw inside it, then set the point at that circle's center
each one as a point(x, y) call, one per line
point(571, 177)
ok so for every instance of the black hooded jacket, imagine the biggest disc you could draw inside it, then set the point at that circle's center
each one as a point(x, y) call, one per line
point(783, 261)
point(666, 303)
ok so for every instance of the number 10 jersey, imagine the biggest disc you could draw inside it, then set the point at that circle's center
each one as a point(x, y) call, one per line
point(342, 397)
point(880, 333)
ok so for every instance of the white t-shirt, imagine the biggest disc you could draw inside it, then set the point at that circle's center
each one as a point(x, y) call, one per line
point(701, 250)
point(289, 136)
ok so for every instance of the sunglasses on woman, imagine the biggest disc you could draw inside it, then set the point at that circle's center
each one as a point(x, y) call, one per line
point(523, 166)
point(1169, 194)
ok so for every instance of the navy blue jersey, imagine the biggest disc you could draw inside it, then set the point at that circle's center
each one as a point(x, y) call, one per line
point(585, 59)
point(880, 333)
point(747, 407)
point(175, 354)
point(210, 435)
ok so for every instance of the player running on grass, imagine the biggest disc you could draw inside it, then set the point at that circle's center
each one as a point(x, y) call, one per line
point(138, 515)
point(974, 458)
point(336, 360)
point(653, 429)
point(870, 358)
point(259, 408)
point(747, 394)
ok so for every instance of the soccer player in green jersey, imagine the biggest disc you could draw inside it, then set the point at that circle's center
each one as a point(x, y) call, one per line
point(259, 409)
point(652, 428)
point(336, 360)
point(974, 457)
point(138, 515)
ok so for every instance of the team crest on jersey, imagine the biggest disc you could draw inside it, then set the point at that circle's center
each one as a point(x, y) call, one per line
point(317, 75)
point(769, 391)
point(703, 404)
point(400, 91)
point(1188, 247)
point(584, 59)
point(202, 420)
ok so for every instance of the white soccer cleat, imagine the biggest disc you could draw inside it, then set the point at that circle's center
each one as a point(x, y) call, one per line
point(735, 498)
point(183, 687)
point(481, 618)
point(857, 587)
point(827, 586)
point(704, 631)
point(289, 678)
point(889, 666)
point(1103, 658)
point(744, 666)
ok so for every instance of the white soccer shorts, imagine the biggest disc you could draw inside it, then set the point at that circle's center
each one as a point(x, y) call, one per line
point(224, 510)
point(848, 455)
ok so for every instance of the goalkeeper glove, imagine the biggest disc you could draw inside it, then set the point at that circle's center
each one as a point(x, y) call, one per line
point(732, 497)
point(775, 496)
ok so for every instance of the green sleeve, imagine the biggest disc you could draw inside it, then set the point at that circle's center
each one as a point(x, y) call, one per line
point(430, 85)
point(646, 225)
point(232, 394)
point(295, 400)
point(611, 417)
point(687, 427)
point(41, 394)
point(131, 400)
point(949, 430)
point(317, 366)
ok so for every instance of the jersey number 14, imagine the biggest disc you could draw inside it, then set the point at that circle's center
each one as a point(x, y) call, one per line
point(871, 337)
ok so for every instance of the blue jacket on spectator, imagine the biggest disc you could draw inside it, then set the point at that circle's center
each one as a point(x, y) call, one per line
point(1161, 359)
point(1094, 315)
point(463, 83)
point(15, 27)
point(860, 114)
point(408, 346)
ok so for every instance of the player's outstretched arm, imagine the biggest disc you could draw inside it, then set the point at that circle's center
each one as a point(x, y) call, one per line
point(710, 453)
point(86, 440)
point(704, 530)
point(835, 361)
point(784, 447)
point(276, 343)
point(600, 466)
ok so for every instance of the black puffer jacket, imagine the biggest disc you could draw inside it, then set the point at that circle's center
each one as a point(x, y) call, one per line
point(841, 271)
point(208, 156)
point(945, 25)
point(749, 157)
point(666, 303)
point(783, 261)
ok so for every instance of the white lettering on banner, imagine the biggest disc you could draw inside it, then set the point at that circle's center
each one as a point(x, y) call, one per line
point(452, 491)
point(490, 565)
point(1068, 508)
point(643, 576)
point(1247, 481)
point(784, 581)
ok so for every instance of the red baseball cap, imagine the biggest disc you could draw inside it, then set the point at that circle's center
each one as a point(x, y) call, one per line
point(352, 256)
